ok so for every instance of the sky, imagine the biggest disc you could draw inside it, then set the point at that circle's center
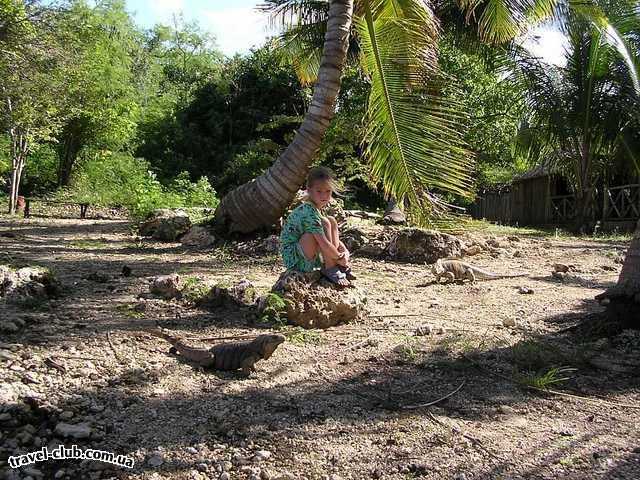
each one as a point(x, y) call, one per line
point(238, 26)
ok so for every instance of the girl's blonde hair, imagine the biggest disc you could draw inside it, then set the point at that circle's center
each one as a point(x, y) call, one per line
point(324, 174)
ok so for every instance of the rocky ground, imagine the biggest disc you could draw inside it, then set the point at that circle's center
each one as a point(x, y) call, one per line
point(351, 402)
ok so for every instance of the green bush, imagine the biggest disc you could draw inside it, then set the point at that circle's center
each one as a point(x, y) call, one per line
point(122, 180)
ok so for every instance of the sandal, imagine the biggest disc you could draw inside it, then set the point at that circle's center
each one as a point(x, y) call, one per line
point(334, 275)
point(347, 271)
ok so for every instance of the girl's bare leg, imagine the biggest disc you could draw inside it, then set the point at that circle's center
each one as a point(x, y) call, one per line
point(311, 247)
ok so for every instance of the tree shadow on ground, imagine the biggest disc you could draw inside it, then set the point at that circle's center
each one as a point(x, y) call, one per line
point(152, 400)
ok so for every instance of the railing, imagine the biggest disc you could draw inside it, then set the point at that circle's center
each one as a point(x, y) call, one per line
point(622, 203)
point(563, 208)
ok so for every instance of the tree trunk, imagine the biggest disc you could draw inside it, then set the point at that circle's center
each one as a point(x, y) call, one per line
point(261, 202)
point(19, 148)
point(623, 300)
point(68, 154)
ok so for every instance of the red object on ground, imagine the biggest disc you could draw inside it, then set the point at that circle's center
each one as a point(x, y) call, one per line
point(20, 204)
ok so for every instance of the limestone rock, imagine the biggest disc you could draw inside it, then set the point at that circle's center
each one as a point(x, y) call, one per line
point(242, 294)
point(27, 283)
point(418, 245)
point(313, 302)
point(393, 215)
point(166, 224)
point(78, 431)
point(198, 236)
point(354, 239)
point(472, 250)
point(166, 286)
point(258, 246)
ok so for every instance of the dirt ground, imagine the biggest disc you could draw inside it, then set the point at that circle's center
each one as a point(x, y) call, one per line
point(338, 404)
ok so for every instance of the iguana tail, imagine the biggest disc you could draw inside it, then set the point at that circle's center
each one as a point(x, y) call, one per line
point(478, 272)
point(201, 356)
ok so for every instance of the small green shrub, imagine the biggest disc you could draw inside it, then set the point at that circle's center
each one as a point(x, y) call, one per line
point(119, 179)
point(195, 289)
point(274, 310)
point(546, 378)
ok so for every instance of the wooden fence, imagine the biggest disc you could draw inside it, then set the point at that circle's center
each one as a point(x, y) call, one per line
point(618, 204)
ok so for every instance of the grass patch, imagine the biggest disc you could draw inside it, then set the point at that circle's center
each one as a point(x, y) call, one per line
point(455, 343)
point(546, 379)
point(194, 289)
point(552, 232)
point(88, 243)
point(274, 310)
point(409, 349)
point(301, 336)
point(129, 311)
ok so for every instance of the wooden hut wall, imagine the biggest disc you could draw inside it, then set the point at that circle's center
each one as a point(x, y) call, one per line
point(495, 207)
point(529, 200)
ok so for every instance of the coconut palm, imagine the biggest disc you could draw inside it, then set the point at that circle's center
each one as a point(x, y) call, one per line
point(583, 114)
point(413, 137)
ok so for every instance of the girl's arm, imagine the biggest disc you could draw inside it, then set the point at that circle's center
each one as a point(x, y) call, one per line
point(327, 246)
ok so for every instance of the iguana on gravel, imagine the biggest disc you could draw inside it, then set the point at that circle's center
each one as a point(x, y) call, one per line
point(452, 270)
point(225, 356)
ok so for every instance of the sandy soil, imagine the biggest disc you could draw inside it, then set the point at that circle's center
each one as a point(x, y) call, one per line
point(336, 404)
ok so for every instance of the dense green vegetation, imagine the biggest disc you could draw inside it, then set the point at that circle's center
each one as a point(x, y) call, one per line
point(94, 108)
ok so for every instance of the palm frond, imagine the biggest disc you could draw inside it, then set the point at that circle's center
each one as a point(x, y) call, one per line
point(413, 136)
point(499, 21)
point(618, 24)
point(303, 24)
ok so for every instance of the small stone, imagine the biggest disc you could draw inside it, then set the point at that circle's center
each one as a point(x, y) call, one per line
point(25, 438)
point(261, 456)
point(66, 415)
point(460, 476)
point(506, 409)
point(286, 476)
point(424, 330)
point(559, 275)
point(509, 322)
point(155, 460)
point(224, 476)
point(192, 450)
point(166, 286)
point(202, 467)
point(9, 327)
point(227, 466)
point(265, 474)
point(34, 472)
point(561, 267)
point(239, 459)
point(525, 290)
point(78, 431)
point(59, 474)
point(5, 417)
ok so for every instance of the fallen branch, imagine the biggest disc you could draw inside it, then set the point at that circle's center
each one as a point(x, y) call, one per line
point(474, 441)
point(113, 347)
point(422, 405)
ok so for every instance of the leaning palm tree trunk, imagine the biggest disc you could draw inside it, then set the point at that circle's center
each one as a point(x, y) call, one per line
point(623, 300)
point(261, 202)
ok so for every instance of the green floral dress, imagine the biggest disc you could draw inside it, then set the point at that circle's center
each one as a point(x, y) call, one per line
point(305, 218)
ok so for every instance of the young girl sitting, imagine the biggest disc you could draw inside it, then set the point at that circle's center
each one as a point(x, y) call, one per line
point(307, 233)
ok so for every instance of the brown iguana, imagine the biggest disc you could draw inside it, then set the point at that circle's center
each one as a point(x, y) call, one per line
point(452, 270)
point(225, 356)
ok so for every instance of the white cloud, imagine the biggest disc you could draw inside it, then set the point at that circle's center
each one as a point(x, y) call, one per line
point(547, 43)
point(237, 29)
